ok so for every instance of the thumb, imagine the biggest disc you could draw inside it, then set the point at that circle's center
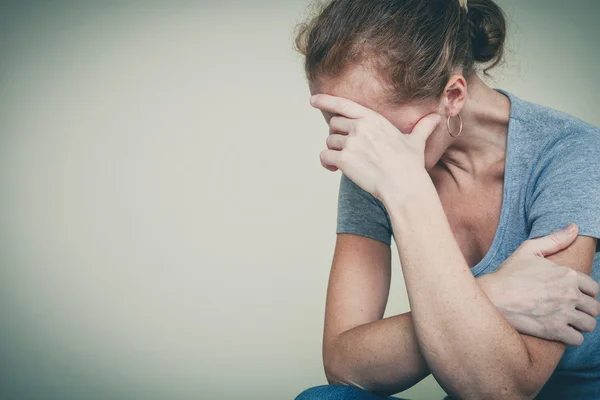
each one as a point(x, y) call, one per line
point(552, 243)
point(425, 127)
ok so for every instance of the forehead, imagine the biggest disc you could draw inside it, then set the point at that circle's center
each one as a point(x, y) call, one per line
point(363, 87)
point(358, 84)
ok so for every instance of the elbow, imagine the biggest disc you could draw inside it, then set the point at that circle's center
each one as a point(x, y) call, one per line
point(521, 389)
point(515, 378)
point(496, 392)
point(340, 370)
point(531, 382)
point(522, 393)
point(333, 379)
point(332, 367)
point(336, 368)
point(498, 386)
point(529, 390)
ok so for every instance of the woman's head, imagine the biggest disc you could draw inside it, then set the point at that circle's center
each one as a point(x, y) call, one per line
point(402, 58)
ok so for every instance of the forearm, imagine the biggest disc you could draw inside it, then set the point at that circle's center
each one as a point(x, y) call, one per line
point(382, 356)
point(469, 347)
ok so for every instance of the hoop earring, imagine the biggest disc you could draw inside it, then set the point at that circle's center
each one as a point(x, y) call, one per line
point(461, 126)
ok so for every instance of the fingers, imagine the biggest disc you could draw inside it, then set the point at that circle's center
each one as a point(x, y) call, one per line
point(582, 321)
point(425, 127)
point(339, 105)
point(587, 285)
point(552, 243)
point(339, 124)
point(589, 305)
point(570, 337)
point(339, 127)
point(336, 142)
point(330, 159)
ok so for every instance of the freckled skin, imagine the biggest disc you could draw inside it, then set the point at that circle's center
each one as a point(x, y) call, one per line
point(472, 203)
point(440, 232)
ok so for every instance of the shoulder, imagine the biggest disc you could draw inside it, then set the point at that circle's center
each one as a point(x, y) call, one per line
point(350, 191)
point(552, 134)
point(360, 213)
point(559, 147)
point(560, 159)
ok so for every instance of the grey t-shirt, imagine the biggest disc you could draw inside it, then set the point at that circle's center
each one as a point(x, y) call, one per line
point(552, 179)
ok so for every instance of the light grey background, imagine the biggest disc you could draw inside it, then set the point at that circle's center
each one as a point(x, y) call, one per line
point(166, 228)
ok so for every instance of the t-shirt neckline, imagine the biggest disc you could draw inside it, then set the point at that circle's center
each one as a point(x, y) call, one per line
point(485, 263)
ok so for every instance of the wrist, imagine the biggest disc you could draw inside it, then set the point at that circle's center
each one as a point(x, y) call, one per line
point(486, 283)
point(491, 286)
point(394, 196)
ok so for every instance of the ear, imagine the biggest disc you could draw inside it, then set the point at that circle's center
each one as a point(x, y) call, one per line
point(455, 95)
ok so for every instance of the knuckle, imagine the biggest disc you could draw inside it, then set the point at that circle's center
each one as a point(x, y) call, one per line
point(570, 294)
point(333, 142)
point(323, 156)
point(573, 294)
point(554, 237)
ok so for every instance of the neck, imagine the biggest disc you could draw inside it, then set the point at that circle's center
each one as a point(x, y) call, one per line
point(482, 144)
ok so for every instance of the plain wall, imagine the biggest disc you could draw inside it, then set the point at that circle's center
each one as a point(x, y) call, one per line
point(166, 229)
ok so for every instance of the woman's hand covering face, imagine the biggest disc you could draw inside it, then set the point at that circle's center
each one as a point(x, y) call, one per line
point(370, 150)
point(538, 297)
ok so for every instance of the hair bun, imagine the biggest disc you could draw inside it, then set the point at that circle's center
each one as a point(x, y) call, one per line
point(487, 25)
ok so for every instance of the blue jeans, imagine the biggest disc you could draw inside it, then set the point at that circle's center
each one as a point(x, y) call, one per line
point(340, 392)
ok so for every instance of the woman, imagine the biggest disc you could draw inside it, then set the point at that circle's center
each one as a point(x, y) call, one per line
point(464, 177)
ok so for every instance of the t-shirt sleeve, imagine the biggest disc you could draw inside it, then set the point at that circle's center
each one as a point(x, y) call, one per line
point(565, 188)
point(360, 213)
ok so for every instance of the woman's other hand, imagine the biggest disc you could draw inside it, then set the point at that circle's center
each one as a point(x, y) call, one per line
point(370, 150)
point(543, 299)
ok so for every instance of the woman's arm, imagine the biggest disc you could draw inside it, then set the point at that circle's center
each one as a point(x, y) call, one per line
point(359, 347)
point(383, 356)
point(468, 345)
point(470, 348)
